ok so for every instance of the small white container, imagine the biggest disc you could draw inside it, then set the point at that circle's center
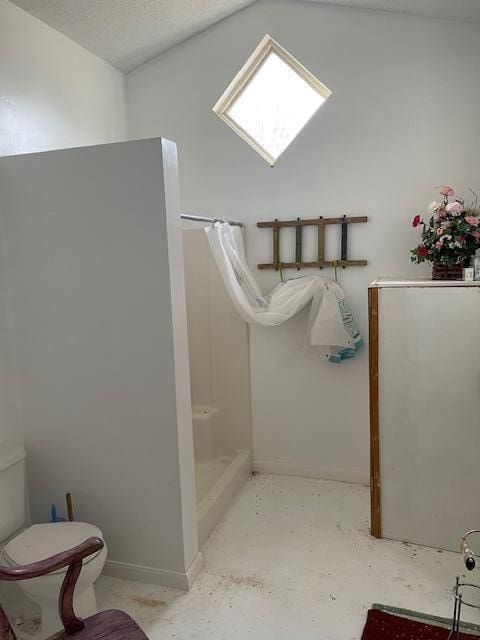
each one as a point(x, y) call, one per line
point(468, 274)
point(475, 264)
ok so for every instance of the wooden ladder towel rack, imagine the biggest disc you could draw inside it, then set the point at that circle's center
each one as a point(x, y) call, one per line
point(320, 223)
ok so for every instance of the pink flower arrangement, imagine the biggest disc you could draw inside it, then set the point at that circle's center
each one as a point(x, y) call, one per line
point(416, 221)
point(422, 250)
point(454, 207)
point(452, 234)
point(447, 192)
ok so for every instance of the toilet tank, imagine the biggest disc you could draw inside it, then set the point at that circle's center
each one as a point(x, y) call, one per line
point(12, 488)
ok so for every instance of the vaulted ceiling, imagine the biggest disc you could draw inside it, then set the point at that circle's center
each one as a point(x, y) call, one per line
point(128, 33)
point(460, 10)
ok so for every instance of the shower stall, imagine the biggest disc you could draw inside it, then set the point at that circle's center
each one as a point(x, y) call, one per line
point(95, 354)
point(220, 387)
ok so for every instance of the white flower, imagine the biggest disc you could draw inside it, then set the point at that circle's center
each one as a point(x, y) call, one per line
point(433, 206)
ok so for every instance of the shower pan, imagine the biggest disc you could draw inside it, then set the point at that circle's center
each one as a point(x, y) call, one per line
point(219, 375)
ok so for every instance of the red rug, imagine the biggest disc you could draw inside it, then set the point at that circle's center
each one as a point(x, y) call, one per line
point(385, 626)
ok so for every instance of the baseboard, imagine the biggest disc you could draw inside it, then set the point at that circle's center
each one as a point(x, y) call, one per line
point(303, 471)
point(152, 575)
point(194, 569)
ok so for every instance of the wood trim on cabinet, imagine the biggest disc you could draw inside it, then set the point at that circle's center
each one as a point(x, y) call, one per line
point(375, 522)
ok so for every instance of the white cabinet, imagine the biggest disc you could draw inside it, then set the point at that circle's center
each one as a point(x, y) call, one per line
point(425, 410)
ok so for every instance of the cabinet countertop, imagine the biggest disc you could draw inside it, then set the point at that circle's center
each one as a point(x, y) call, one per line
point(402, 283)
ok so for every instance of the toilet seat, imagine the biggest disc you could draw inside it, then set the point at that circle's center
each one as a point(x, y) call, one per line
point(41, 541)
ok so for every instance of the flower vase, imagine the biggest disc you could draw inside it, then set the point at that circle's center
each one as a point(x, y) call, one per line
point(442, 272)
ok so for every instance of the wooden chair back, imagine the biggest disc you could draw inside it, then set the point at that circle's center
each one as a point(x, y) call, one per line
point(73, 559)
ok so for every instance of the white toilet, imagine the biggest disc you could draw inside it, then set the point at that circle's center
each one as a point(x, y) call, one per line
point(41, 541)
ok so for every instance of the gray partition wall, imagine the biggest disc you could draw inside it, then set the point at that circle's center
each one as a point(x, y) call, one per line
point(94, 352)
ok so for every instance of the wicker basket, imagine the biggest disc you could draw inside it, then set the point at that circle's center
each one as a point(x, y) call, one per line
point(442, 272)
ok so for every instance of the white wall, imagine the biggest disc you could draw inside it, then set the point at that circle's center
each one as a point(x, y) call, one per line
point(91, 253)
point(53, 92)
point(402, 119)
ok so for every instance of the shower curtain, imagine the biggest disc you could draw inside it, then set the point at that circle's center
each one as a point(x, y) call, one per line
point(331, 330)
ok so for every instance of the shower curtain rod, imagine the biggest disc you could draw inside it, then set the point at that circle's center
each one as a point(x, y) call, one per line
point(187, 216)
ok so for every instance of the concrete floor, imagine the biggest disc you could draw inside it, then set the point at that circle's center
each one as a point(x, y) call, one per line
point(292, 558)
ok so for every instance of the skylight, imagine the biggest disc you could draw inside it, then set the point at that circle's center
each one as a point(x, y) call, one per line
point(271, 99)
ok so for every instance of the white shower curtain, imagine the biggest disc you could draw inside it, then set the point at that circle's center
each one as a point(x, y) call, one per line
point(330, 329)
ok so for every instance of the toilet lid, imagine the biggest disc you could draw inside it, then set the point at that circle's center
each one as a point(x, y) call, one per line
point(41, 541)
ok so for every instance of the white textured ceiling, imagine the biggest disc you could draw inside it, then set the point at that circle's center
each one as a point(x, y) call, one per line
point(128, 33)
point(461, 10)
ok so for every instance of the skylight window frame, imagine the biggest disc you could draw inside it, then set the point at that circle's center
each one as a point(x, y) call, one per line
point(244, 76)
